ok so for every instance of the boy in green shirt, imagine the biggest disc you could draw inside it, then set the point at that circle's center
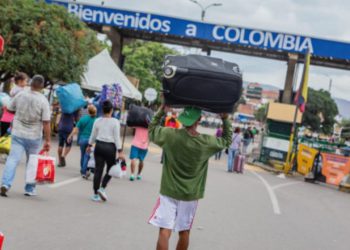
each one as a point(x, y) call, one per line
point(186, 156)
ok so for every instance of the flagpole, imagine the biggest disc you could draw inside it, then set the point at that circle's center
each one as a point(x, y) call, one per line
point(303, 94)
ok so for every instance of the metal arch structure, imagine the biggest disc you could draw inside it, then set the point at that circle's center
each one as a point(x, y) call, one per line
point(121, 24)
point(246, 41)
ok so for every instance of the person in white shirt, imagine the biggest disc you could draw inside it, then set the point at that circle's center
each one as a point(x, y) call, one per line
point(108, 148)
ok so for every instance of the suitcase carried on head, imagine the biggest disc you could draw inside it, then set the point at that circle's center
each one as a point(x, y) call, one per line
point(139, 116)
point(238, 163)
point(208, 83)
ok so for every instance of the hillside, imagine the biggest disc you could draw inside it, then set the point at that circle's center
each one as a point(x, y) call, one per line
point(343, 105)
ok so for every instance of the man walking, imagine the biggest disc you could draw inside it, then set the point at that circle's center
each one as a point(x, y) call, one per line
point(65, 128)
point(185, 168)
point(32, 117)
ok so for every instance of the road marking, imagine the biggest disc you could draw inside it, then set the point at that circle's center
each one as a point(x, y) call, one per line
point(286, 184)
point(272, 195)
point(66, 182)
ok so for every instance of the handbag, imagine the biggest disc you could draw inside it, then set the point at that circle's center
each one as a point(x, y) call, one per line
point(40, 168)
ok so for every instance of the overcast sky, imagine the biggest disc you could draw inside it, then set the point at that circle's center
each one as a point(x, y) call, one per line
point(320, 18)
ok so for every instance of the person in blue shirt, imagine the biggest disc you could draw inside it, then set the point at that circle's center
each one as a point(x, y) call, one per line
point(84, 128)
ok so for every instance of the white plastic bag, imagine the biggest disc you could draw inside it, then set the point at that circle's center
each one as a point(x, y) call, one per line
point(91, 162)
point(116, 171)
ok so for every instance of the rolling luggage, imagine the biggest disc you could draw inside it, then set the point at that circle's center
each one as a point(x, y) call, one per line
point(139, 116)
point(239, 161)
point(208, 83)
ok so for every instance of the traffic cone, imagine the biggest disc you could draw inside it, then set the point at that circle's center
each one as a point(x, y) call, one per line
point(1, 239)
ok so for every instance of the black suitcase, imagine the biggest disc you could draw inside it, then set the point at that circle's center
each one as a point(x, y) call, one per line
point(139, 116)
point(211, 84)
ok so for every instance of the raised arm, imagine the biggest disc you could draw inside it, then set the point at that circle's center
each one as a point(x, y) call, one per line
point(156, 132)
point(227, 132)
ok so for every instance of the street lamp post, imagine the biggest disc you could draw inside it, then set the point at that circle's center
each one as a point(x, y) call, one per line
point(204, 8)
point(330, 83)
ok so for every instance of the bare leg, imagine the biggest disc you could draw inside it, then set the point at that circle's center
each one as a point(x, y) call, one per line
point(59, 152)
point(163, 239)
point(132, 166)
point(140, 167)
point(66, 151)
point(184, 240)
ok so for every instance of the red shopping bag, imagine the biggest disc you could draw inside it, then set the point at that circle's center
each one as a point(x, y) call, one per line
point(1, 240)
point(46, 169)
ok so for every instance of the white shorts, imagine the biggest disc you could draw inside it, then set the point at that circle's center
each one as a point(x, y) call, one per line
point(173, 214)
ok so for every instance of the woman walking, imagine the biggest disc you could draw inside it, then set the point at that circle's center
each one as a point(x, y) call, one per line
point(106, 135)
point(234, 148)
point(84, 129)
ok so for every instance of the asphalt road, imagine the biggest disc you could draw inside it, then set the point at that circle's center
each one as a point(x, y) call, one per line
point(256, 210)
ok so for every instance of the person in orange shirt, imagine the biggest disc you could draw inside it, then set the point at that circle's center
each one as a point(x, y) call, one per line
point(171, 121)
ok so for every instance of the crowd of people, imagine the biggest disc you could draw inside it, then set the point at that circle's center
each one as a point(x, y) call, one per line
point(185, 157)
point(31, 120)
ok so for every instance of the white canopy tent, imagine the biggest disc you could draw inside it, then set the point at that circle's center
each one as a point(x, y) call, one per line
point(101, 70)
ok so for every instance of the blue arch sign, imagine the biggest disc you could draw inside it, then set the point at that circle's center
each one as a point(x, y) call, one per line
point(164, 25)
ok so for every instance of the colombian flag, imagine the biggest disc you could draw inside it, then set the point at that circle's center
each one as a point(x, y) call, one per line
point(301, 96)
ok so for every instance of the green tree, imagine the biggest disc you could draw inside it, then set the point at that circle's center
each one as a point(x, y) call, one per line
point(320, 112)
point(144, 61)
point(44, 39)
point(260, 114)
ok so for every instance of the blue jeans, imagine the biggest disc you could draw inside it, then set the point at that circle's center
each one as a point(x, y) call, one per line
point(231, 158)
point(83, 143)
point(18, 147)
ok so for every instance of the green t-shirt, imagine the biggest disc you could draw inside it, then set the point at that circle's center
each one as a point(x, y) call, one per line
point(186, 158)
point(85, 125)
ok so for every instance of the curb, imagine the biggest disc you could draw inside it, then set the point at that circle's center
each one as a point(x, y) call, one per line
point(264, 166)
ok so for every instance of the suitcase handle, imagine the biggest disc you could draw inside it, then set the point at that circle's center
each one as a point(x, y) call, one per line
point(165, 91)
